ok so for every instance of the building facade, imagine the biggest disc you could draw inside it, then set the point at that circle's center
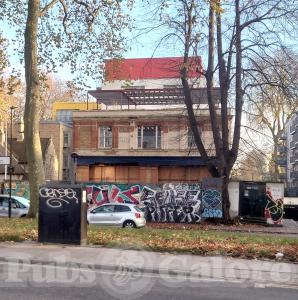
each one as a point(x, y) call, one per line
point(292, 154)
point(141, 135)
point(130, 146)
point(60, 135)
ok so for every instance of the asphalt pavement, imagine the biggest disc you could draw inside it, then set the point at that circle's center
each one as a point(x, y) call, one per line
point(112, 286)
point(36, 271)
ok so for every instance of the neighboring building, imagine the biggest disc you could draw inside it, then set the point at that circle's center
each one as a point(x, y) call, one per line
point(281, 159)
point(19, 160)
point(61, 136)
point(288, 156)
point(62, 111)
point(142, 135)
point(19, 170)
point(49, 157)
point(292, 133)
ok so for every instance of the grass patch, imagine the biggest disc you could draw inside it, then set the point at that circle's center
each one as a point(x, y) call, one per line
point(201, 242)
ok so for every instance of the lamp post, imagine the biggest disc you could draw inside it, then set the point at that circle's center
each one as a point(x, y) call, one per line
point(10, 160)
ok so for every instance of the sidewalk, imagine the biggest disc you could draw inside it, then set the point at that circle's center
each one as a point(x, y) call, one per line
point(265, 273)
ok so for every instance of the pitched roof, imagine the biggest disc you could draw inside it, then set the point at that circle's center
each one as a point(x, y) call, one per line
point(19, 154)
point(18, 169)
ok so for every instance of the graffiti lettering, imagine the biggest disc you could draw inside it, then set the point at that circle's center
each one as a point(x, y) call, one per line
point(211, 213)
point(211, 198)
point(274, 208)
point(162, 203)
point(56, 197)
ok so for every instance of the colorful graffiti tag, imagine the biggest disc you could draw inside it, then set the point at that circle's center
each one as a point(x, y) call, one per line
point(99, 194)
point(273, 209)
point(162, 203)
point(17, 189)
point(212, 198)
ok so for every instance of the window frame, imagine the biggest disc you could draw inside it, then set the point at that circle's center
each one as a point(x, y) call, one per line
point(104, 211)
point(119, 206)
point(66, 135)
point(141, 137)
point(107, 141)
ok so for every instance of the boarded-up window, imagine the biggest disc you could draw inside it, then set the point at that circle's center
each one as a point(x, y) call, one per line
point(84, 137)
point(133, 174)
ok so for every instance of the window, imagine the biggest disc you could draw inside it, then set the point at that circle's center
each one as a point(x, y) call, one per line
point(65, 161)
point(105, 137)
point(104, 209)
point(64, 115)
point(121, 208)
point(4, 202)
point(149, 137)
point(65, 139)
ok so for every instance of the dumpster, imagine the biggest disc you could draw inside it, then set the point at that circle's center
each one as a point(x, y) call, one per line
point(62, 214)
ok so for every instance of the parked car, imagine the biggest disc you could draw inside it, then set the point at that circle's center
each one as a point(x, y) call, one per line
point(117, 214)
point(19, 206)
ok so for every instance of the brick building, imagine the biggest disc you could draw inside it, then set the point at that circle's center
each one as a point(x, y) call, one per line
point(141, 135)
point(60, 135)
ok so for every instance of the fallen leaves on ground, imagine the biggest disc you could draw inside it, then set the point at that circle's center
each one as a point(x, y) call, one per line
point(200, 241)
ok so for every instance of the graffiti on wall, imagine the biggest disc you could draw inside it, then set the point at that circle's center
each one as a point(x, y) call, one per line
point(100, 194)
point(181, 203)
point(212, 198)
point(20, 189)
point(274, 206)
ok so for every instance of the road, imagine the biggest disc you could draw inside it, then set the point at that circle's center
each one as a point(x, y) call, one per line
point(40, 282)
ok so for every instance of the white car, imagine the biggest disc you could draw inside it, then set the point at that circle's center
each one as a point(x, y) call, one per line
point(19, 206)
point(117, 214)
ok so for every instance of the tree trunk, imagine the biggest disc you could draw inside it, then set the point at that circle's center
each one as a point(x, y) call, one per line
point(31, 115)
point(226, 204)
point(275, 156)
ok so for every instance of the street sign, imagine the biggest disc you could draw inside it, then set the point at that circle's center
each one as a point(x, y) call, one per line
point(4, 160)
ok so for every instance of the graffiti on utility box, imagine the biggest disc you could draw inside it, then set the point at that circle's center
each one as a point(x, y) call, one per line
point(274, 206)
point(170, 202)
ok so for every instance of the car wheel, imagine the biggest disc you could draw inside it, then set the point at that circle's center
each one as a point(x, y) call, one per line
point(129, 224)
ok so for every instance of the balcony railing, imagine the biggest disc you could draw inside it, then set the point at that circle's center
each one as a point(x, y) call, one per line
point(294, 159)
point(294, 175)
point(293, 144)
point(293, 129)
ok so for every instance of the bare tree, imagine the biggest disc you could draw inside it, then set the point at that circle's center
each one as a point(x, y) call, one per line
point(274, 86)
point(229, 33)
point(80, 32)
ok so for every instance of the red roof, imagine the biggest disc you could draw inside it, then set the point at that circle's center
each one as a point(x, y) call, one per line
point(150, 68)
